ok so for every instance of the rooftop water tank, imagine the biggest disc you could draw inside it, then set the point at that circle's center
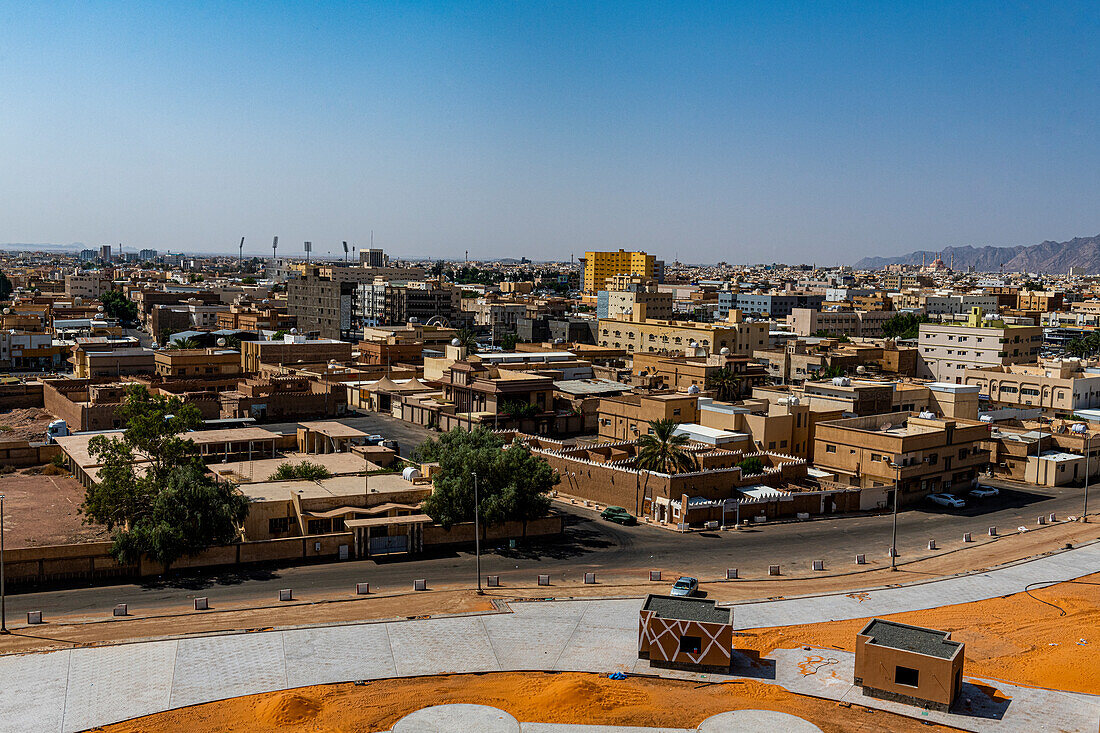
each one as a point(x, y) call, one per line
point(410, 473)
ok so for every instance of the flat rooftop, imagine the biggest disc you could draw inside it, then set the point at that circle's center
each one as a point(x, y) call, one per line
point(702, 610)
point(920, 640)
point(333, 429)
point(335, 487)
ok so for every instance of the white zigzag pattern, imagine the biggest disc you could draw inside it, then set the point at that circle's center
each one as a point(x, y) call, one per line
point(678, 629)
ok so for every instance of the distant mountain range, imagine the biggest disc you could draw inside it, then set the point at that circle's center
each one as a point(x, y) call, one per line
point(1047, 257)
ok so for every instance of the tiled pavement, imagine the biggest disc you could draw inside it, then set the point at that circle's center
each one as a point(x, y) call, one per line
point(72, 690)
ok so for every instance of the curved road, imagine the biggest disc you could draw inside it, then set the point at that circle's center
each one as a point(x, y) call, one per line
point(616, 554)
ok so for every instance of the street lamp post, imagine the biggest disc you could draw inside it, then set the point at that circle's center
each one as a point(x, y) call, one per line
point(894, 533)
point(1085, 510)
point(477, 537)
point(3, 596)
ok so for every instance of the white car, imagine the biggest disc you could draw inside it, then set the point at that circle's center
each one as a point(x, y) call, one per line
point(984, 492)
point(947, 500)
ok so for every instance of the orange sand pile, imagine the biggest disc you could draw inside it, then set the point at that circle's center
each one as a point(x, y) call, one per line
point(1018, 638)
point(535, 696)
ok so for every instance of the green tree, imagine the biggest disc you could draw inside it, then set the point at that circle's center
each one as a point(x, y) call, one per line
point(829, 372)
point(508, 341)
point(278, 335)
point(513, 483)
point(117, 305)
point(726, 382)
point(751, 465)
point(303, 470)
point(518, 409)
point(904, 325)
point(166, 506)
point(5, 286)
point(187, 343)
point(662, 452)
point(248, 280)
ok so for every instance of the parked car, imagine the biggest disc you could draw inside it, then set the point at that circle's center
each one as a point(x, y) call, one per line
point(948, 500)
point(618, 514)
point(984, 492)
point(685, 586)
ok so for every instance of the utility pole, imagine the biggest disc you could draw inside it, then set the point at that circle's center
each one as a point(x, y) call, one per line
point(894, 533)
point(240, 256)
point(477, 536)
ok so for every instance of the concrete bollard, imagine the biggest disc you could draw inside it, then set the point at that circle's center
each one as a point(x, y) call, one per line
point(1041, 520)
point(819, 565)
point(286, 594)
point(967, 537)
point(1053, 518)
point(589, 578)
point(992, 531)
point(731, 573)
point(893, 552)
point(773, 570)
point(654, 575)
point(544, 580)
point(932, 544)
point(493, 581)
point(861, 559)
point(362, 589)
point(34, 617)
point(202, 604)
point(120, 610)
point(420, 584)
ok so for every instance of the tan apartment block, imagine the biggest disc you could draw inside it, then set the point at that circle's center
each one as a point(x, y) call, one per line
point(641, 335)
point(947, 350)
point(292, 350)
point(197, 362)
point(628, 416)
point(856, 323)
point(1054, 385)
point(920, 455)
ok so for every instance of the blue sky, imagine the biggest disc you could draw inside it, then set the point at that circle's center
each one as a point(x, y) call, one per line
point(744, 132)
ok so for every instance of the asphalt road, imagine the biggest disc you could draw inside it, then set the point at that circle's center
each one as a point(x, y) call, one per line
point(590, 544)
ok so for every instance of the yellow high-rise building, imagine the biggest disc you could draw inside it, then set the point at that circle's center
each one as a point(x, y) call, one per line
point(598, 266)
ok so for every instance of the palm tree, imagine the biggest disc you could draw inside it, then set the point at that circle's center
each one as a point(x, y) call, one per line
point(726, 381)
point(467, 338)
point(662, 452)
point(184, 344)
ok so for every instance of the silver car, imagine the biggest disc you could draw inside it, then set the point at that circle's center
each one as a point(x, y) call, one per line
point(948, 500)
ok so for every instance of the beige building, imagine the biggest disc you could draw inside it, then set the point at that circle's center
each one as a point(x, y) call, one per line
point(920, 455)
point(197, 363)
point(947, 350)
point(86, 284)
point(855, 324)
point(639, 334)
point(627, 416)
point(291, 350)
point(625, 293)
point(1054, 385)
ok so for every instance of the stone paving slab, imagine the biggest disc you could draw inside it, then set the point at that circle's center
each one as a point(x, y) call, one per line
point(32, 691)
point(217, 667)
point(118, 682)
point(441, 646)
point(338, 654)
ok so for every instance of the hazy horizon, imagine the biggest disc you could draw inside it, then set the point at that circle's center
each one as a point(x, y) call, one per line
point(812, 133)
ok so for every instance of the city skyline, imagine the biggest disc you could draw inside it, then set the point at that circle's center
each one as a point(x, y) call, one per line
point(736, 133)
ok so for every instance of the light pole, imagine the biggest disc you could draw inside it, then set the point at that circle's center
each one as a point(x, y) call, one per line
point(3, 596)
point(1085, 510)
point(477, 537)
point(894, 533)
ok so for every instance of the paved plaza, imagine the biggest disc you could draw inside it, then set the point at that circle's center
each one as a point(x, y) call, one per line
point(75, 689)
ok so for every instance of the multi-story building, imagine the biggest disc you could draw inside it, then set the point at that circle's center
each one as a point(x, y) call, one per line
point(388, 303)
point(292, 349)
point(195, 363)
point(900, 280)
point(105, 252)
point(641, 335)
point(919, 455)
point(947, 350)
point(322, 300)
point(625, 292)
point(598, 266)
point(147, 254)
point(1057, 386)
point(19, 351)
point(855, 324)
point(86, 284)
point(774, 305)
point(627, 416)
point(373, 258)
point(1043, 301)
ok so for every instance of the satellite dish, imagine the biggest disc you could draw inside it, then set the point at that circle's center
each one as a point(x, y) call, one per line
point(885, 426)
point(222, 342)
point(724, 351)
point(456, 342)
point(294, 331)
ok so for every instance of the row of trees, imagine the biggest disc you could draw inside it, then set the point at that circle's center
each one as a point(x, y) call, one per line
point(1084, 346)
point(904, 325)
